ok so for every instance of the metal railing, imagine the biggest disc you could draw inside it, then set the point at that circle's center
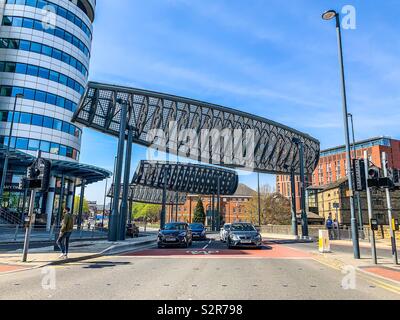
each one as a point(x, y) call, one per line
point(10, 217)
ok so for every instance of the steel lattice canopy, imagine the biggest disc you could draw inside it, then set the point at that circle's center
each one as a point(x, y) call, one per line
point(142, 194)
point(19, 161)
point(187, 178)
point(151, 114)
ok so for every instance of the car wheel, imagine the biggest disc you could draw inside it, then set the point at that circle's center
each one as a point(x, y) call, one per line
point(160, 246)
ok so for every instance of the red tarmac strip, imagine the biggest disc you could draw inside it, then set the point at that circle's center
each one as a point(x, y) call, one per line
point(384, 272)
point(9, 268)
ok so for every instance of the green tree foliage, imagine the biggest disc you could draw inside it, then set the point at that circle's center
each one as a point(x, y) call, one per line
point(275, 209)
point(149, 212)
point(199, 213)
point(85, 205)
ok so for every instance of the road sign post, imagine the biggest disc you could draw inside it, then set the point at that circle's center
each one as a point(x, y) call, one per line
point(390, 215)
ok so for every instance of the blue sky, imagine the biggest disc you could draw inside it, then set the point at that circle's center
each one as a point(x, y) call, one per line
point(277, 59)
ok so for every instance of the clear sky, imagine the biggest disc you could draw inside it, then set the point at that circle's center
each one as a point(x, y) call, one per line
point(277, 59)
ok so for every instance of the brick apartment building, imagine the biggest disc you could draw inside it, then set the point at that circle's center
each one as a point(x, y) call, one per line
point(332, 165)
point(233, 208)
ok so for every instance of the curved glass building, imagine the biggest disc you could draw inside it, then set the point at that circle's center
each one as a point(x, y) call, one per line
point(45, 49)
point(44, 62)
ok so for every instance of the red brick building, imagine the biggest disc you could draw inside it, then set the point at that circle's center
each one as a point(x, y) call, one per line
point(332, 165)
point(233, 208)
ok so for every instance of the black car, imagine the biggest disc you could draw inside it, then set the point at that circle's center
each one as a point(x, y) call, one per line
point(244, 235)
point(199, 231)
point(175, 234)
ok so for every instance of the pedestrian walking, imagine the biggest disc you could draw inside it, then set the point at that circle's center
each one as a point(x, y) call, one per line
point(329, 227)
point(65, 233)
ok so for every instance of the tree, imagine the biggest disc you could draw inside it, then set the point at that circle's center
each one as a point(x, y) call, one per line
point(275, 209)
point(199, 213)
point(85, 210)
point(149, 212)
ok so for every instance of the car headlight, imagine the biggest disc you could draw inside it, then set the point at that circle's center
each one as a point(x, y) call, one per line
point(203, 232)
point(235, 237)
point(182, 234)
point(258, 237)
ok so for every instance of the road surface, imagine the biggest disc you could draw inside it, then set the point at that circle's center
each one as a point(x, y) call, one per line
point(207, 271)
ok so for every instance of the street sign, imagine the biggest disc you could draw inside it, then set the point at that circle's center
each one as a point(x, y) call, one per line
point(374, 224)
point(336, 205)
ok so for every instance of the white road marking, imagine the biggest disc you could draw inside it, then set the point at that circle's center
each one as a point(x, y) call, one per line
point(207, 245)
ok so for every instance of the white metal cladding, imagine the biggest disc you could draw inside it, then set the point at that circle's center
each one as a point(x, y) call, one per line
point(148, 195)
point(187, 178)
point(274, 149)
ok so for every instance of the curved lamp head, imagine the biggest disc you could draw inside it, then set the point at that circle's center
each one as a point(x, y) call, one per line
point(329, 15)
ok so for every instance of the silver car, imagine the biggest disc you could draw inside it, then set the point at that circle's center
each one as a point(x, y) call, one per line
point(244, 235)
point(224, 232)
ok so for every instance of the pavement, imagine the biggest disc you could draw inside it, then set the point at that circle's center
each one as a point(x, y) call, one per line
point(16, 235)
point(80, 250)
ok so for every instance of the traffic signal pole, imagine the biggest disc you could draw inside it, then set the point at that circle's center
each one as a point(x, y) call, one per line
point(370, 214)
point(29, 226)
point(390, 210)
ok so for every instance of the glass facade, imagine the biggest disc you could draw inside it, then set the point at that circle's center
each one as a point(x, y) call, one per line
point(27, 144)
point(60, 11)
point(26, 45)
point(12, 21)
point(39, 96)
point(40, 121)
point(40, 72)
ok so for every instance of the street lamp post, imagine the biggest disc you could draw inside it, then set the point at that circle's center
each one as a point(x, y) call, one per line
point(329, 15)
point(6, 160)
point(360, 215)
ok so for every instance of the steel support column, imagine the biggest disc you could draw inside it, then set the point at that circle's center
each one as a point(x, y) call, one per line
point(81, 202)
point(57, 223)
point(164, 203)
point(114, 218)
point(218, 203)
point(295, 230)
point(125, 191)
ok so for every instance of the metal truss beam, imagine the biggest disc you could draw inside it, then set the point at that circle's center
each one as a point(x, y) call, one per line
point(186, 178)
point(273, 150)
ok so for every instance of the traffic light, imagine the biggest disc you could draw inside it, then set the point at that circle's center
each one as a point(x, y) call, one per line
point(359, 175)
point(38, 176)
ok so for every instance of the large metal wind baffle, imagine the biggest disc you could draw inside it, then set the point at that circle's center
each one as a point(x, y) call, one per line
point(200, 131)
point(147, 195)
point(272, 148)
point(187, 178)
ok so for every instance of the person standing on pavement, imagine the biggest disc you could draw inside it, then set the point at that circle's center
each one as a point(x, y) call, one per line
point(329, 227)
point(65, 233)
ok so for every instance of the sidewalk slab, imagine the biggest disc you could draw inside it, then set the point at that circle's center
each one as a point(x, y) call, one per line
point(79, 251)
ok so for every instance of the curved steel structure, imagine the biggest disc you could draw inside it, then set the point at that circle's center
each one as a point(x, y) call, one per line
point(273, 149)
point(142, 194)
point(186, 178)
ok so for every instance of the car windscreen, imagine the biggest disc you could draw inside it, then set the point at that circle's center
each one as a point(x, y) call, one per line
point(178, 227)
point(196, 226)
point(242, 227)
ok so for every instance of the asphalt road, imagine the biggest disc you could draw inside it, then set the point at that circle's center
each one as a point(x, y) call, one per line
point(207, 271)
